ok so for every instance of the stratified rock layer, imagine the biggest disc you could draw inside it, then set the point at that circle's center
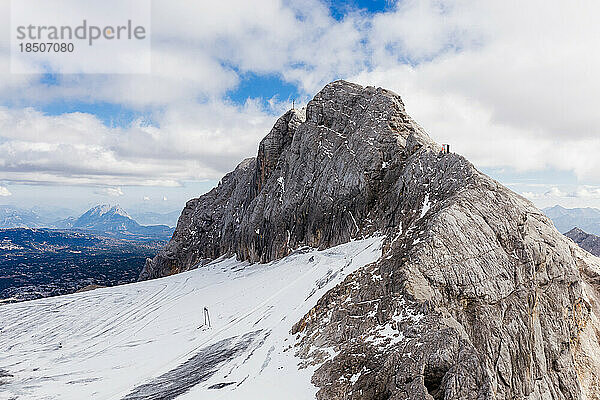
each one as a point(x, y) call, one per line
point(476, 296)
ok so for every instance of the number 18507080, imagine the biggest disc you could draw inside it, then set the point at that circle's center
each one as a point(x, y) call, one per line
point(46, 47)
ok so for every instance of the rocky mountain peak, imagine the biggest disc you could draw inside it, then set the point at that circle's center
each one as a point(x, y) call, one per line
point(575, 232)
point(476, 295)
point(118, 210)
point(586, 241)
point(103, 215)
point(318, 175)
point(275, 142)
point(100, 209)
point(106, 209)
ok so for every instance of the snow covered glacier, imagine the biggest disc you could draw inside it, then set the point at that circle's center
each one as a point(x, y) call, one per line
point(148, 340)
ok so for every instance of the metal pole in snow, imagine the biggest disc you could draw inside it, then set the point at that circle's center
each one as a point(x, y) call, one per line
point(206, 317)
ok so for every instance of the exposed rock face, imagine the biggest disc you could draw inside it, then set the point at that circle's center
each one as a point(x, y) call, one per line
point(477, 296)
point(585, 240)
point(480, 298)
point(319, 179)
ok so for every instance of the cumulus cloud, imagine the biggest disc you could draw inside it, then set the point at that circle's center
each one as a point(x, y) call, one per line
point(508, 83)
point(191, 142)
point(568, 196)
point(4, 192)
point(111, 191)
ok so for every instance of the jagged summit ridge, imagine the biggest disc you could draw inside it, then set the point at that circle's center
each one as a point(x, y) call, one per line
point(326, 166)
point(476, 296)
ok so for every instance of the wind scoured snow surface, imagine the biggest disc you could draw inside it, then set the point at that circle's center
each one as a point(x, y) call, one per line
point(148, 340)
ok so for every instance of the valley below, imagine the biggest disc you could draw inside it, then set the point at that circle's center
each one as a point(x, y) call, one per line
point(36, 263)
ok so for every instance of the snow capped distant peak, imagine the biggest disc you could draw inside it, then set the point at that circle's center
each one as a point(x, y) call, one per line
point(107, 209)
point(99, 210)
point(117, 210)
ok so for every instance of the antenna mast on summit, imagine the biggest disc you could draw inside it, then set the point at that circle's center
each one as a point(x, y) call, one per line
point(293, 104)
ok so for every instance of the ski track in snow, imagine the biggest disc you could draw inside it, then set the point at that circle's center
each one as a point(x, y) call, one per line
point(147, 340)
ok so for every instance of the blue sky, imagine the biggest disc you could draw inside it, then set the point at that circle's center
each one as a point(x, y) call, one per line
point(514, 93)
point(339, 9)
point(263, 87)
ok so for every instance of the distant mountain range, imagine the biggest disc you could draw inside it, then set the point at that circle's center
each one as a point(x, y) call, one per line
point(37, 263)
point(13, 217)
point(104, 218)
point(586, 241)
point(154, 218)
point(41, 256)
point(565, 219)
point(36, 217)
point(115, 220)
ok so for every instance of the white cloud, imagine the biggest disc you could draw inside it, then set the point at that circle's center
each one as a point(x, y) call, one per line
point(110, 191)
point(552, 193)
point(531, 195)
point(508, 83)
point(567, 196)
point(4, 192)
point(555, 192)
point(586, 192)
point(190, 142)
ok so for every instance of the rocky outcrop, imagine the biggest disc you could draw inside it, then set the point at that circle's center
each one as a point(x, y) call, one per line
point(476, 296)
point(319, 180)
point(585, 240)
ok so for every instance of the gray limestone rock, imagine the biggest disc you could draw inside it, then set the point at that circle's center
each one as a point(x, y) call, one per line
point(319, 180)
point(476, 295)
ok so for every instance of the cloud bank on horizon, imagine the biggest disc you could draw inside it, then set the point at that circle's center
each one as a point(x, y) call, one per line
point(512, 85)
